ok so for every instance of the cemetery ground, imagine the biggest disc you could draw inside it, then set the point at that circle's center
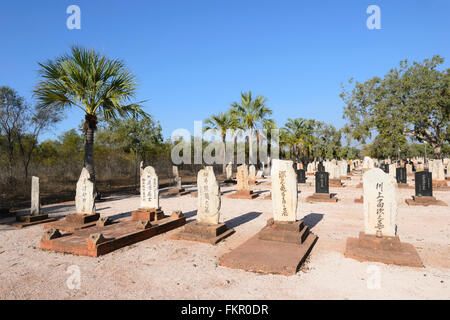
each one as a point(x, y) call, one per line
point(162, 268)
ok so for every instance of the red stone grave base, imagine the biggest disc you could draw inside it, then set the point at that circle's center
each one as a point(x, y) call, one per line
point(97, 241)
point(360, 200)
point(439, 183)
point(404, 186)
point(202, 232)
point(29, 220)
point(177, 192)
point(74, 221)
point(385, 249)
point(425, 201)
point(322, 197)
point(148, 214)
point(279, 248)
point(335, 183)
point(268, 197)
point(309, 173)
point(253, 182)
point(247, 194)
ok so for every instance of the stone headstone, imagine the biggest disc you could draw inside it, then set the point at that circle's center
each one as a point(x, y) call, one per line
point(322, 182)
point(35, 197)
point(392, 170)
point(208, 196)
point(380, 203)
point(242, 178)
point(320, 167)
point(408, 168)
point(284, 191)
point(85, 194)
point(400, 174)
point(423, 184)
point(149, 188)
point(229, 171)
point(437, 169)
point(301, 176)
point(310, 168)
point(175, 171)
point(252, 173)
point(368, 163)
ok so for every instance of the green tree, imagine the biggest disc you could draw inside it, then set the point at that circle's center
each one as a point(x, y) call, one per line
point(221, 123)
point(251, 113)
point(412, 100)
point(92, 82)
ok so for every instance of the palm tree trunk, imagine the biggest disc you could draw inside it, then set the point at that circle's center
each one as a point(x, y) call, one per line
point(250, 145)
point(224, 156)
point(90, 126)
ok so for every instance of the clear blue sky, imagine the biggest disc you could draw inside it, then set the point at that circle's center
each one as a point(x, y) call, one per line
point(193, 58)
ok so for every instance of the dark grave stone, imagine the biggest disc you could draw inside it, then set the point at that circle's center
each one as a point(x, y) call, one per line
point(301, 176)
point(423, 182)
point(400, 174)
point(322, 182)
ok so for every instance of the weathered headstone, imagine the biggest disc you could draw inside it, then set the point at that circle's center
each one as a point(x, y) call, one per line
point(243, 187)
point(229, 171)
point(284, 190)
point(301, 176)
point(85, 194)
point(379, 241)
point(207, 227)
point(252, 174)
point(208, 196)
point(149, 188)
point(380, 203)
point(35, 197)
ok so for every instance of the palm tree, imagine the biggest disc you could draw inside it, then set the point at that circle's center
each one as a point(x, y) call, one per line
point(221, 123)
point(268, 125)
point(251, 113)
point(301, 136)
point(99, 86)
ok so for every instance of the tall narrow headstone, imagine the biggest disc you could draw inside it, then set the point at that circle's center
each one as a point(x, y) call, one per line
point(208, 197)
point(380, 203)
point(423, 184)
point(35, 197)
point(400, 175)
point(284, 190)
point(85, 194)
point(149, 189)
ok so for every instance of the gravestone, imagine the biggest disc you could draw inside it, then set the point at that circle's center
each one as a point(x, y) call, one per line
point(284, 190)
point(85, 194)
point(243, 187)
point(252, 174)
point(408, 168)
point(379, 242)
point(177, 190)
point(207, 227)
point(208, 196)
point(400, 175)
point(285, 242)
point(423, 184)
point(320, 166)
point(380, 203)
point(301, 176)
point(35, 197)
point(85, 215)
point(322, 182)
point(229, 171)
point(424, 191)
point(149, 189)
point(392, 170)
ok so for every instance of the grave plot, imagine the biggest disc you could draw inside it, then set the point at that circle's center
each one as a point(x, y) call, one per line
point(380, 242)
point(285, 242)
point(243, 187)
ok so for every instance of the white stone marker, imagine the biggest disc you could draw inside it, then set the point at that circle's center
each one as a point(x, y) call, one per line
point(208, 196)
point(284, 190)
point(242, 178)
point(380, 203)
point(35, 197)
point(149, 188)
point(85, 197)
point(229, 171)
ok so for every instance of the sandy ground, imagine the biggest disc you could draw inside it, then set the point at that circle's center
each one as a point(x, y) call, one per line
point(161, 268)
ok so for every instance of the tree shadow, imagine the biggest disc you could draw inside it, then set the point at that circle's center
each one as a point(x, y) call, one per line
point(237, 221)
point(312, 219)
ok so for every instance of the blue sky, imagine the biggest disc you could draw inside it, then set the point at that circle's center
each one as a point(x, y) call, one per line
point(192, 58)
